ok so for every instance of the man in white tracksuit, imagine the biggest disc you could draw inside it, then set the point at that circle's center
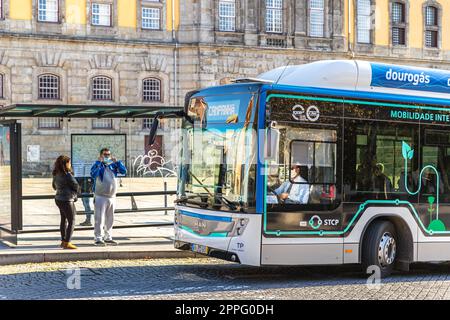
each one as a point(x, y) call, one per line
point(104, 173)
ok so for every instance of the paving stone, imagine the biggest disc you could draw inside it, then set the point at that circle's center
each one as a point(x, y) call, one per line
point(210, 279)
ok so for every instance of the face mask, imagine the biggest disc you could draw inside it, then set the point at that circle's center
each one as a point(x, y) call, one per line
point(106, 160)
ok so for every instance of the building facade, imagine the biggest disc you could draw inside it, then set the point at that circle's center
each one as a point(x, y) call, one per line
point(152, 52)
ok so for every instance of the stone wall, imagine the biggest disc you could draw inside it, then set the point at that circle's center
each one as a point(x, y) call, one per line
point(24, 59)
point(201, 56)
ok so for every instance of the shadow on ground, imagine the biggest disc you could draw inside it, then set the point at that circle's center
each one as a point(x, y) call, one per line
point(155, 280)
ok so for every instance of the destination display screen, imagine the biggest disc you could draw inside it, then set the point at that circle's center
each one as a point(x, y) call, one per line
point(222, 109)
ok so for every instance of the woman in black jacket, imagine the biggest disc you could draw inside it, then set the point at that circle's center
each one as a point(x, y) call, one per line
point(66, 194)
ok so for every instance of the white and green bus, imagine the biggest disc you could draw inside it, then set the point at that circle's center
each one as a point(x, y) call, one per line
point(332, 162)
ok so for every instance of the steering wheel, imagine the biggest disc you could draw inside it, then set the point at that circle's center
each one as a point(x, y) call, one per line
point(272, 190)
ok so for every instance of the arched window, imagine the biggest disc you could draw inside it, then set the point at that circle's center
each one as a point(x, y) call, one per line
point(431, 27)
point(48, 87)
point(398, 18)
point(364, 23)
point(101, 88)
point(316, 18)
point(151, 89)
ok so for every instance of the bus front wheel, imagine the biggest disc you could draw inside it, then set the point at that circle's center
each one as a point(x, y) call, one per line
point(380, 247)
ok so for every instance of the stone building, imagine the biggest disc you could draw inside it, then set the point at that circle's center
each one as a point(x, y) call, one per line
point(151, 52)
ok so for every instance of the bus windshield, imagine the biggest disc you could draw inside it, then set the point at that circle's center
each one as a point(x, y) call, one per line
point(219, 153)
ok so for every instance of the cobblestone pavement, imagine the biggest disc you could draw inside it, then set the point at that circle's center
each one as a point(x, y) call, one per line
point(213, 279)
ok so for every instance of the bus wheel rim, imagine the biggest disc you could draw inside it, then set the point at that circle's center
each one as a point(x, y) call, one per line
point(387, 250)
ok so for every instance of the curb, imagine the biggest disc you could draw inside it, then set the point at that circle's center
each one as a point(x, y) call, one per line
point(40, 257)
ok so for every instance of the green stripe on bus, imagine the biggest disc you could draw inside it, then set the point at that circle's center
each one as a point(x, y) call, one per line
point(362, 207)
point(393, 105)
point(211, 235)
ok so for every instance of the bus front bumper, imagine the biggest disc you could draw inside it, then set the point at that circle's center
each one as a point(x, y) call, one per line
point(229, 236)
point(207, 251)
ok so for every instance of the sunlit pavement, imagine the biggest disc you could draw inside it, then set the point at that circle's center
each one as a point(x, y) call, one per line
point(212, 279)
point(43, 214)
point(188, 278)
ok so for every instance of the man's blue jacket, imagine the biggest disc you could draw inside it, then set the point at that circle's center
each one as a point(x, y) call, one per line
point(98, 170)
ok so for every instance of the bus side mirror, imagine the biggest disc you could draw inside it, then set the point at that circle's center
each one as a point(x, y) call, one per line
point(153, 130)
point(272, 143)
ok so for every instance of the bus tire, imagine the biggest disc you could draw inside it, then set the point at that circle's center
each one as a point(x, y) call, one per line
point(380, 247)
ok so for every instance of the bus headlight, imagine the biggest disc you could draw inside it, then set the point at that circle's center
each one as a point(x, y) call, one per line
point(240, 226)
point(176, 218)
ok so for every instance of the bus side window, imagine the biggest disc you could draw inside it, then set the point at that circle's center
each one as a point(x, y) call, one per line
point(436, 155)
point(375, 167)
point(306, 171)
point(317, 158)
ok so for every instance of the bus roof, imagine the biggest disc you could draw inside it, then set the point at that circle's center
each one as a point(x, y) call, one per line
point(364, 77)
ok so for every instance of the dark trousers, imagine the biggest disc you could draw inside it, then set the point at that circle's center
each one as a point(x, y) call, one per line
point(67, 211)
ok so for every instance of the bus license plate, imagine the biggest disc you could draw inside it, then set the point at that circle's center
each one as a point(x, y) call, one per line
point(199, 248)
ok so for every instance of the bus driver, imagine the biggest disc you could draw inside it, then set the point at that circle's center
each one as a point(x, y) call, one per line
point(297, 192)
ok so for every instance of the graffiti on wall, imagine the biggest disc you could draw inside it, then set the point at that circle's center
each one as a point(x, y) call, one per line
point(152, 164)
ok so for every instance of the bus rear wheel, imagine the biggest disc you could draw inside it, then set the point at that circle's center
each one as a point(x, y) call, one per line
point(380, 247)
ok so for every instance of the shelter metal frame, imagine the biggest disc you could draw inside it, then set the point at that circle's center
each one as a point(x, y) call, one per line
point(9, 115)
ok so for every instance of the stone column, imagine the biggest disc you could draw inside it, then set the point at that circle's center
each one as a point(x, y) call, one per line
point(250, 16)
point(300, 23)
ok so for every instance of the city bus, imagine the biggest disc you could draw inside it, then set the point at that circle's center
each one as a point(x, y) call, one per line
point(326, 163)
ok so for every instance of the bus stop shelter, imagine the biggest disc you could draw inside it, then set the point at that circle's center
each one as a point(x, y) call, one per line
point(12, 195)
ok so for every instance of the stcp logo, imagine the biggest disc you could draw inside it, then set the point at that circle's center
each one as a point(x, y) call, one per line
point(315, 222)
point(310, 114)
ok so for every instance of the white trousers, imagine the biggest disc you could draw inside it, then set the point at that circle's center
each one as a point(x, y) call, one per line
point(104, 217)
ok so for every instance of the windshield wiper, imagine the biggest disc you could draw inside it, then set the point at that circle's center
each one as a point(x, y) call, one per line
point(199, 182)
point(190, 200)
point(222, 199)
point(204, 204)
point(226, 202)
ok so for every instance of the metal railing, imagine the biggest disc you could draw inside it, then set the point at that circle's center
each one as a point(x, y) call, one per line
point(134, 208)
